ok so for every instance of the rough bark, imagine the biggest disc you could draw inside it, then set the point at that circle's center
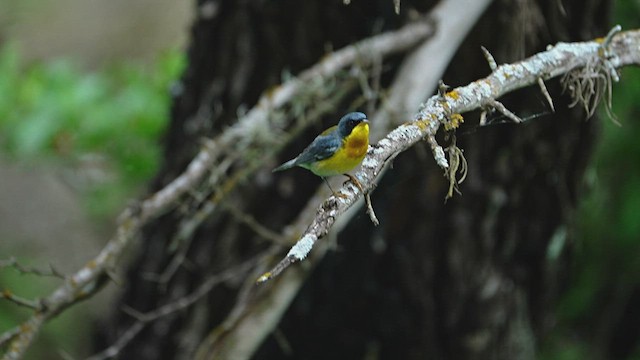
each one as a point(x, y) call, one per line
point(466, 279)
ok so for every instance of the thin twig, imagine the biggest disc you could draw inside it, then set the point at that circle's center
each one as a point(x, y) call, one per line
point(13, 262)
point(504, 111)
point(18, 300)
point(254, 225)
point(614, 31)
point(545, 92)
point(143, 319)
point(490, 59)
point(396, 6)
point(483, 117)
point(367, 199)
point(124, 339)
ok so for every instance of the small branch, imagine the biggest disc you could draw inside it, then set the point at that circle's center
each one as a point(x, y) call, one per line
point(298, 252)
point(545, 92)
point(31, 304)
point(396, 6)
point(370, 212)
point(607, 40)
point(503, 110)
point(367, 199)
point(143, 319)
point(13, 263)
point(490, 59)
point(124, 339)
point(254, 225)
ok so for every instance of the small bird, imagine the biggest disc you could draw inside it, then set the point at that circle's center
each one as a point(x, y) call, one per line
point(337, 150)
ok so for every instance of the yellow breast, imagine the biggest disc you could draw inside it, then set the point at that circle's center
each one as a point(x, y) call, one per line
point(349, 156)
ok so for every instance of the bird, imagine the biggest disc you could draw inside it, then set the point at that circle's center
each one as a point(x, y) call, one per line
point(335, 151)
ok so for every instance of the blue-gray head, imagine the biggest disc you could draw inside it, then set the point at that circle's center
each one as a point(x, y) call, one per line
point(349, 121)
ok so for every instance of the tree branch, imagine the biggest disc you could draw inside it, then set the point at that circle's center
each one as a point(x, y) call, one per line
point(563, 58)
point(241, 337)
point(18, 300)
point(143, 319)
point(13, 262)
point(248, 129)
point(419, 74)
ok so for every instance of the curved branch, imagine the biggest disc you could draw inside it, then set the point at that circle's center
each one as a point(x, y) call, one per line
point(83, 282)
point(560, 59)
point(240, 335)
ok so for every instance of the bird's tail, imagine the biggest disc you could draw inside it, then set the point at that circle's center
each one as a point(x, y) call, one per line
point(288, 165)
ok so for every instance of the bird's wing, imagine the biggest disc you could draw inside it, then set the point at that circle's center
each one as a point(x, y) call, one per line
point(329, 130)
point(321, 148)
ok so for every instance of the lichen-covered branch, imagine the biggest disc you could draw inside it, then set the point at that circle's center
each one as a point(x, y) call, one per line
point(249, 128)
point(563, 58)
point(240, 335)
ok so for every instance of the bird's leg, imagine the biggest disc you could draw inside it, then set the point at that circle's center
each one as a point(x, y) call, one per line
point(355, 182)
point(330, 188)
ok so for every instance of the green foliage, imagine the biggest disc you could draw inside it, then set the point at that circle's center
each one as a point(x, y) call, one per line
point(106, 122)
point(109, 119)
point(607, 266)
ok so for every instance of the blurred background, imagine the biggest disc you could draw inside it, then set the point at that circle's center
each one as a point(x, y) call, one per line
point(604, 285)
point(84, 101)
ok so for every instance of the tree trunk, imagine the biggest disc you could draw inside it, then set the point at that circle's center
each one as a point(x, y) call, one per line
point(475, 277)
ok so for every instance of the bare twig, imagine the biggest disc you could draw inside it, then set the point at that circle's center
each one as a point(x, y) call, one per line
point(143, 319)
point(483, 116)
point(504, 111)
point(121, 343)
point(254, 225)
point(367, 199)
point(607, 40)
point(13, 262)
point(490, 59)
point(370, 212)
point(18, 300)
point(545, 92)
